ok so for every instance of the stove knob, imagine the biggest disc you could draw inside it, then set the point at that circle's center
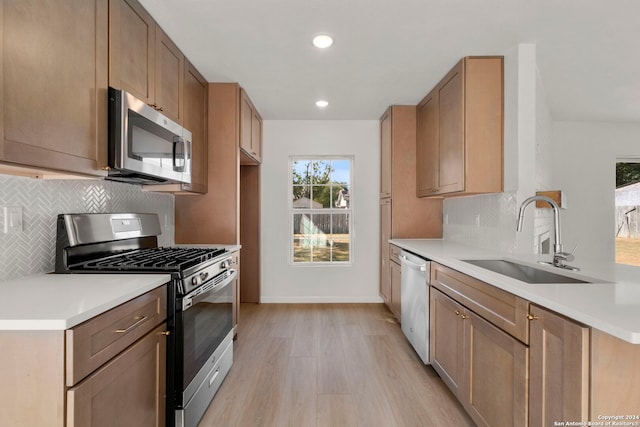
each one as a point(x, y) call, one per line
point(196, 281)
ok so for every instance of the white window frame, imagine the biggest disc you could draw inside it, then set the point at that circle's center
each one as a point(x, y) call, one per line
point(331, 210)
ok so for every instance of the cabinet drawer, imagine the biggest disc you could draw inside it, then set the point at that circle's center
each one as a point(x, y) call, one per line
point(94, 342)
point(503, 309)
point(394, 253)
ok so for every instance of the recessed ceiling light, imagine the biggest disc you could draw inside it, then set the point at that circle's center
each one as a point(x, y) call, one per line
point(321, 103)
point(322, 41)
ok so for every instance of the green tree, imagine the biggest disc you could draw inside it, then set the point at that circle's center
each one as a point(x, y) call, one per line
point(627, 173)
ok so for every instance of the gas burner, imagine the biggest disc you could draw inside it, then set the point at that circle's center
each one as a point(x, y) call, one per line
point(155, 259)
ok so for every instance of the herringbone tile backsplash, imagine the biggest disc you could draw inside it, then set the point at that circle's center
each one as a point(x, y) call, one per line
point(32, 251)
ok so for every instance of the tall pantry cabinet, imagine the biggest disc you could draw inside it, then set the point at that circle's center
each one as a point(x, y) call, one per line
point(402, 213)
point(229, 212)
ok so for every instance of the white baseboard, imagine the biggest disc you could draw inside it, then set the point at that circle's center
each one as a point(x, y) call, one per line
point(311, 300)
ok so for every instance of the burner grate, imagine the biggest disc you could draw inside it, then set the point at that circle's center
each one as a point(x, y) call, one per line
point(157, 259)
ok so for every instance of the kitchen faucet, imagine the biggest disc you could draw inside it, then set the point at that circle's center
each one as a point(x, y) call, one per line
point(559, 257)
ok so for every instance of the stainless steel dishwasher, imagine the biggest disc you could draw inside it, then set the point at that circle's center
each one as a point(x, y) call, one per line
point(414, 302)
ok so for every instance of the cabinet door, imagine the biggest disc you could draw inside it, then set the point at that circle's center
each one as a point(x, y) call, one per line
point(236, 292)
point(53, 100)
point(494, 388)
point(132, 49)
point(246, 116)
point(559, 371)
point(127, 391)
point(427, 145)
point(446, 338)
point(195, 120)
point(385, 154)
point(256, 136)
point(169, 75)
point(385, 235)
point(451, 131)
point(396, 279)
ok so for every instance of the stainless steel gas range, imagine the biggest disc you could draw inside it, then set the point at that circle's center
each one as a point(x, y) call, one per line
point(200, 296)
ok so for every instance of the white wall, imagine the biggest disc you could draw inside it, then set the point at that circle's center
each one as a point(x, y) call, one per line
point(282, 282)
point(584, 161)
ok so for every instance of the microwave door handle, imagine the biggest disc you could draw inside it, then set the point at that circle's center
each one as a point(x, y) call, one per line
point(178, 140)
point(188, 146)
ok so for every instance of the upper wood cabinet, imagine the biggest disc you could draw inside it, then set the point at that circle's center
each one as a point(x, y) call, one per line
point(143, 60)
point(460, 131)
point(250, 131)
point(53, 94)
point(195, 120)
point(386, 138)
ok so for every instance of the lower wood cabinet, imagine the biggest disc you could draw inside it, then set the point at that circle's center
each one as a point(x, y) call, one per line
point(107, 371)
point(127, 391)
point(447, 336)
point(484, 367)
point(568, 372)
point(236, 292)
point(396, 279)
point(495, 375)
point(559, 369)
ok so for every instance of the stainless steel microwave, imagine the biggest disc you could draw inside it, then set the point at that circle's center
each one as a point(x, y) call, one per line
point(145, 146)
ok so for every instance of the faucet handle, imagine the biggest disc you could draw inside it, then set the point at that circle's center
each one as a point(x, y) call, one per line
point(564, 256)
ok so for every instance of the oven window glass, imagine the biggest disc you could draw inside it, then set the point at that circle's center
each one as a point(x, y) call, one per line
point(206, 323)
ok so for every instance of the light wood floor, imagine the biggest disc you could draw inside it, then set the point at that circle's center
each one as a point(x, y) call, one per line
point(334, 365)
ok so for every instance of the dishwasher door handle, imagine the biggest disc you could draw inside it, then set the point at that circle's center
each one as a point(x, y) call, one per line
point(421, 267)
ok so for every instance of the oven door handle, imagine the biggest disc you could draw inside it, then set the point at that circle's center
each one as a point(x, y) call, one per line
point(200, 293)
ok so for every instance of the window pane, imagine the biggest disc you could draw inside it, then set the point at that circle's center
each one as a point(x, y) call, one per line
point(301, 196)
point(301, 239)
point(300, 172)
point(341, 172)
point(321, 172)
point(321, 237)
point(341, 239)
point(627, 200)
point(321, 196)
point(340, 196)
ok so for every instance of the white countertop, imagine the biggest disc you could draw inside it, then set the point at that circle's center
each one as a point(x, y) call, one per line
point(610, 304)
point(62, 301)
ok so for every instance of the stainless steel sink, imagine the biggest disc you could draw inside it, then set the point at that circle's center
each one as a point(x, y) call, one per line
point(522, 272)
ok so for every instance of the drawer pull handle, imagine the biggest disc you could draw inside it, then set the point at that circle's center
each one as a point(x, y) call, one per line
point(138, 321)
point(214, 376)
point(461, 314)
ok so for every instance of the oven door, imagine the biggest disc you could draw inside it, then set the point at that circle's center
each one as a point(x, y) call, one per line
point(204, 319)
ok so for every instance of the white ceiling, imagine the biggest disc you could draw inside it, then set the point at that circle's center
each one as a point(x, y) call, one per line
point(393, 51)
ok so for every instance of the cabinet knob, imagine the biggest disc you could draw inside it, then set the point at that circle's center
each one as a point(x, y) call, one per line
point(532, 317)
point(165, 333)
point(461, 314)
